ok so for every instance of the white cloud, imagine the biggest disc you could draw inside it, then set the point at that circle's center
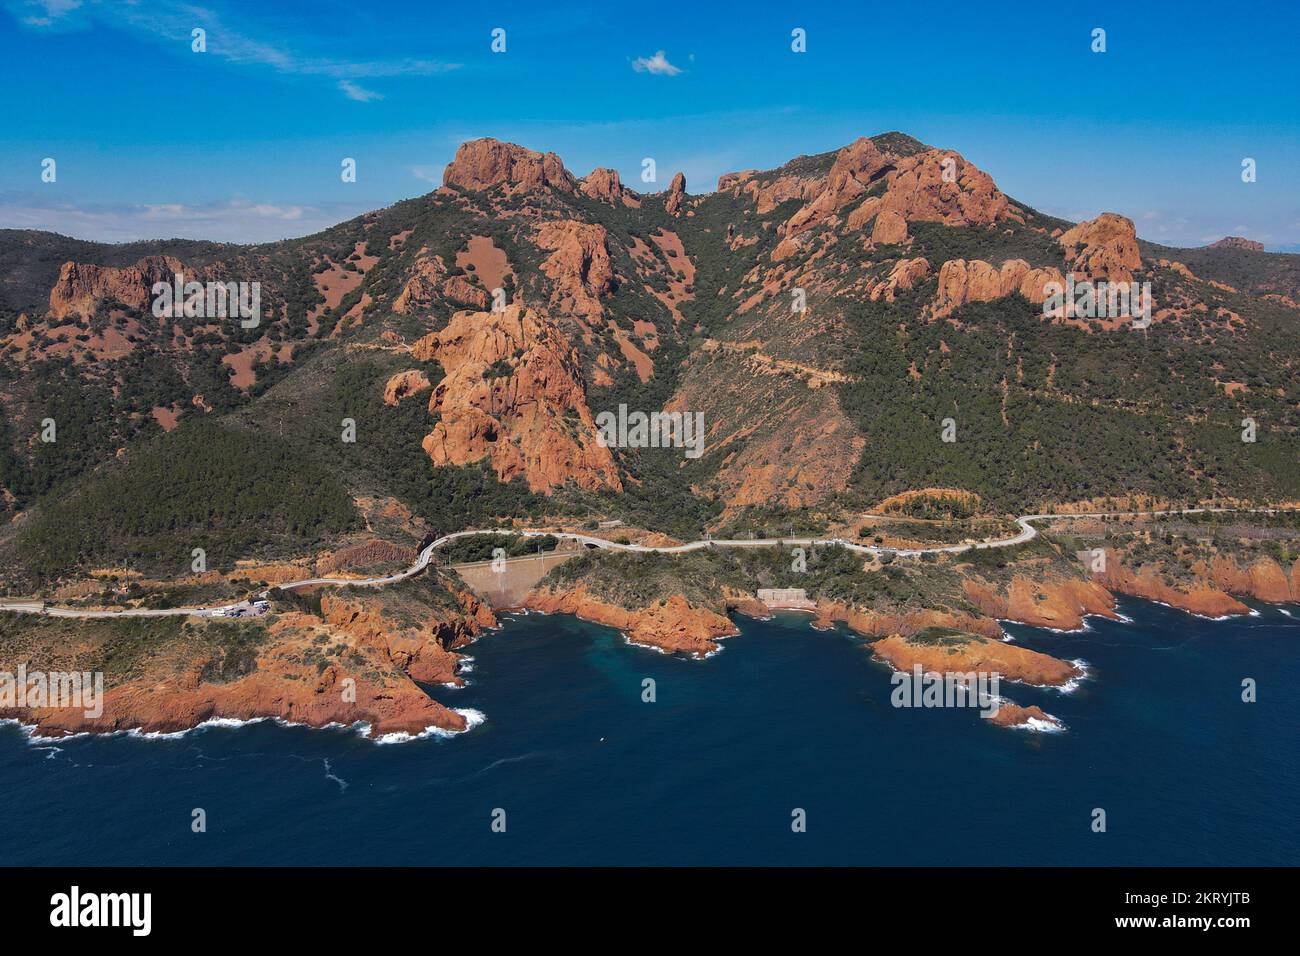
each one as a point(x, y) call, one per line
point(354, 91)
point(428, 174)
point(657, 64)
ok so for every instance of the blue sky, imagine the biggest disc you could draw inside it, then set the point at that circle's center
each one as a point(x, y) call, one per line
point(244, 142)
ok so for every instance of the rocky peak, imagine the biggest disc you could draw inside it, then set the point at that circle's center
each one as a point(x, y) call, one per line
point(604, 184)
point(1237, 242)
point(1103, 248)
point(81, 287)
point(676, 195)
point(484, 163)
point(925, 185)
point(853, 171)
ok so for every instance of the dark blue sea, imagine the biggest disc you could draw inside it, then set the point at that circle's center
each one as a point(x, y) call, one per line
point(785, 717)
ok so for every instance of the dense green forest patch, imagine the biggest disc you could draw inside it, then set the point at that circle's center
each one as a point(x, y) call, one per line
point(233, 493)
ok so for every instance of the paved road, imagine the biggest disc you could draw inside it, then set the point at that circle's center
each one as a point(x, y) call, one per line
point(1027, 533)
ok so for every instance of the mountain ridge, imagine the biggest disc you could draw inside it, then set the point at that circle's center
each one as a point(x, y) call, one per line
point(674, 301)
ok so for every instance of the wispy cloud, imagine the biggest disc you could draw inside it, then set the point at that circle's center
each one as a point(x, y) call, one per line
point(172, 21)
point(355, 91)
point(428, 174)
point(657, 64)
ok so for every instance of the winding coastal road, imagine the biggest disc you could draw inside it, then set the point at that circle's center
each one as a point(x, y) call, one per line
point(1027, 533)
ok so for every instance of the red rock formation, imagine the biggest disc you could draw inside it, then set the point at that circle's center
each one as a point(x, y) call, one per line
point(460, 289)
point(919, 192)
point(423, 651)
point(676, 195)
point(286, 684)
point(410, 382)
point(82, 287)
point(534, 422)
point(878, 624)
point(1103, 248)
point(1013, 715)
point(484, 163)
point(1011, 661)
point(1202, 597)
point(605, 185)
point(427, 284)
point(579, 265)
point(905, 274)
point(151, 706)
point(1055, 602)
point(890, 229)
point(1264, 580)
point(854, 168)
point(962, 281)
point(930, 186)
point(423, 285)
point(768, 195)
point(672, 625)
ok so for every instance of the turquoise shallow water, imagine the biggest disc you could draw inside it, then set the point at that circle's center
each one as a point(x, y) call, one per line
point(785, 717)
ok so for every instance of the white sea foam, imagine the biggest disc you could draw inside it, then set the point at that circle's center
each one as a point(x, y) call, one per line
point(472, 719)
point(1035, 726)
point(1070, 686)
point(651, 647)
point(1039, 627)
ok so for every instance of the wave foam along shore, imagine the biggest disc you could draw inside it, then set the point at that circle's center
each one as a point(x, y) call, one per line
point(472, 719)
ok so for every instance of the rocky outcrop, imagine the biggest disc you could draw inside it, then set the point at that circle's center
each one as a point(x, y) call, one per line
point(427, 285)
point(676, 195)
point(929, 186)
point(905, 274)
point(1033, 717)
point(1200, 597)
point(855, 168)
point(1055, 602)
point(484, 163)
point(1103, 248)
point(152, 706)
point(962, 281)
point(423, 285)
point(81, 287)
point(768, 194)
point(672, 625)
point(513, 393)
point(403, 384)
point(579, 265)
point(461, 290)
point(605, 185)
point(890, 229)
point(941, 186)
point(423, 651)
point(973, 652)
point(1264, 579)
point(883, 624)
point(1237, 242)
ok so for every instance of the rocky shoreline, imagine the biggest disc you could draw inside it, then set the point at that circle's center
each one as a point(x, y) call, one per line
point(361, 657)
